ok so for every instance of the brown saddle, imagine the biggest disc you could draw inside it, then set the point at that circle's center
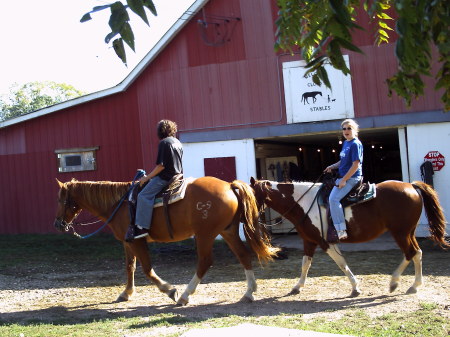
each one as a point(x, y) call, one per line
point(163, 198)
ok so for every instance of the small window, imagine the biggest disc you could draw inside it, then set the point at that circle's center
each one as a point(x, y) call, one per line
point(80, 159)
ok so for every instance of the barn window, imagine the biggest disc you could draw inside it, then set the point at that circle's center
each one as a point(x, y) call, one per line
point(79, 159)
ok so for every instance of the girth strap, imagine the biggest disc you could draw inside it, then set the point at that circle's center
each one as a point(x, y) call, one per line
point(174, 184)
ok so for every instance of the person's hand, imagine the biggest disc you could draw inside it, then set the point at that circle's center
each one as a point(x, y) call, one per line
point(342, 183)
point(328, 169)
point(143, 180)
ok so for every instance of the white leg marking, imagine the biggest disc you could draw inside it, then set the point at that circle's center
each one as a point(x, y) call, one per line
point(335, 253)
point(396, 275)
point(251, 285)
point(306, 264)
point(190, 289)
point(417, 259)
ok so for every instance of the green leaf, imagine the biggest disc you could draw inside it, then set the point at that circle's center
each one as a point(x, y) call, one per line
point(341, 12)
point(317, 60)
point(110, 36)
point(119, 16)
point(99, 8)
point(149, 4)
point(86, 17)
point(315, 78)
point(120, 50)
point(127, 35)
point(137, 6)
point(348, 45)
point(323, 75)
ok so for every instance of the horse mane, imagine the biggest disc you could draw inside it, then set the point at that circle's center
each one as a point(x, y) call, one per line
point(103, 194)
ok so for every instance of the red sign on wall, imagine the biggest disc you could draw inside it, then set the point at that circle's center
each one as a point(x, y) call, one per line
point(437, 159)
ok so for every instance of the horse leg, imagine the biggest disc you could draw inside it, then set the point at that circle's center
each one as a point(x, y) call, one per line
point(130, 261)
point(140, 249)
point(411, 250)
point(335, 253)
point(417, 272)
point(309, 249)
point(204, 257)
point(236, 245)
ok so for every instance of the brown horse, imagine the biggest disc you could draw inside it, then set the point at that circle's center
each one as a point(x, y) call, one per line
point(227, 205)
point(396, 208)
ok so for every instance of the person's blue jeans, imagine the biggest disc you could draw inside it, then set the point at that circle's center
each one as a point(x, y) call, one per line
point(336, 195)
point(146, 201)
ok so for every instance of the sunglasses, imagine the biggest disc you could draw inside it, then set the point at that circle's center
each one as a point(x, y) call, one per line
point(346, 129)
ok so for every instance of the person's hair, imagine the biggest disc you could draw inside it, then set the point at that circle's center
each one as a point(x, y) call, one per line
point(166, 129)
point(352, 123)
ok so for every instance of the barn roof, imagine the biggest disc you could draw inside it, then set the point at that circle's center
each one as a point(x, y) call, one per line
point(132, 76)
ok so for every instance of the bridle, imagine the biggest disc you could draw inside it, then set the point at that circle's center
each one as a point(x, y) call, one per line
point(62, 224)
point(283, 216)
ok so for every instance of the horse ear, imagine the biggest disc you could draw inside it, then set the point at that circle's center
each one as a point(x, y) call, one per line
point(252, 181)
point(59, 183)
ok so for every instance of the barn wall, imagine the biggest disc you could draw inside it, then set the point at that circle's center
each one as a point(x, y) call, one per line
point(29, 166)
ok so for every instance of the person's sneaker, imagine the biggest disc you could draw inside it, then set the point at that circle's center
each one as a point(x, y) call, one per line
point(129, 237)
point(342, 235)
point(140, 233)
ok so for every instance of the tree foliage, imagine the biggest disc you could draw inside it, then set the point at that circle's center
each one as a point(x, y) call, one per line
point(121, 30)
point(33, 96)
point(321, 30)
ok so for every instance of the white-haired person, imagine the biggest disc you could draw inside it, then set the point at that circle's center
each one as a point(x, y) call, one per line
point(349, 174)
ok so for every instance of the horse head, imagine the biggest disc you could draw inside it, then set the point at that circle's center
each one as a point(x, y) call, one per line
point(67, 209)
point(261, 189)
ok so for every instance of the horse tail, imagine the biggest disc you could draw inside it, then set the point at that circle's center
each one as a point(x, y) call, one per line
point(255, 233)
point(434, 212)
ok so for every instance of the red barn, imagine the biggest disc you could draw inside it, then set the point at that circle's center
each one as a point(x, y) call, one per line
point(242, 110)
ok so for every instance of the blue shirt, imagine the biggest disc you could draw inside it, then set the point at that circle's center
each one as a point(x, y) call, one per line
point(352, 150)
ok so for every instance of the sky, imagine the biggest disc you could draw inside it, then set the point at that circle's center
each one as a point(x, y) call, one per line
point(44, 40)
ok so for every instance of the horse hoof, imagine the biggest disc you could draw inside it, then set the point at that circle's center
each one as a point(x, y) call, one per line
point(393, 287)
point(411, 290)
point(355, 293)
point(173, 294)
point(246, 299)
point(294, 291)
point(182, 302)
point(121, 299)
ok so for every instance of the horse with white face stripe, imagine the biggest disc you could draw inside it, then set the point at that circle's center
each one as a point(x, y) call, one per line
point(365, 221)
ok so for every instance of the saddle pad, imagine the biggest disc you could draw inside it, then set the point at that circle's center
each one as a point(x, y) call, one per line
point(370, 194)
point(179, 195)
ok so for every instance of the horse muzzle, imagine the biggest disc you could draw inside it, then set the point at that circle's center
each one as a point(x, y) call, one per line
point(61, 225)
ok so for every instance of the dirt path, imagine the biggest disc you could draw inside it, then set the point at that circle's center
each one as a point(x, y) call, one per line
point(79, 291)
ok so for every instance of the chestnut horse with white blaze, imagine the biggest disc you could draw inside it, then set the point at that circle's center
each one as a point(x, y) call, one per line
point(228, 205)
point(396, 208)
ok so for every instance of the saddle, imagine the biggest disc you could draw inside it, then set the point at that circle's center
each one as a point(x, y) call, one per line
point(174, 192)
point(360, 193)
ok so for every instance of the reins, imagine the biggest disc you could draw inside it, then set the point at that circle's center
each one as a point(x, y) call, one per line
point(139, 174)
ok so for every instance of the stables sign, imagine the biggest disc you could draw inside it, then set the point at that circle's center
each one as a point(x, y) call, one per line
point(436, 158)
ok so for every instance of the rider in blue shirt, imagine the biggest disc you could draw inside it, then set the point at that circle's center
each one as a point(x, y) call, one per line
point(350, 174)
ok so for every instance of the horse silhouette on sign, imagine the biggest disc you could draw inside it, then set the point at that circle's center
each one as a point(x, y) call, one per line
point(310, 94)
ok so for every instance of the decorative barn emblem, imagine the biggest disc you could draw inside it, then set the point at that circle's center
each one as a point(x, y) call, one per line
point(203, 208)
point(310, 94)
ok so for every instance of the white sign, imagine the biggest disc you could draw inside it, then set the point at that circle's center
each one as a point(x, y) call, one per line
point(307, 102)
